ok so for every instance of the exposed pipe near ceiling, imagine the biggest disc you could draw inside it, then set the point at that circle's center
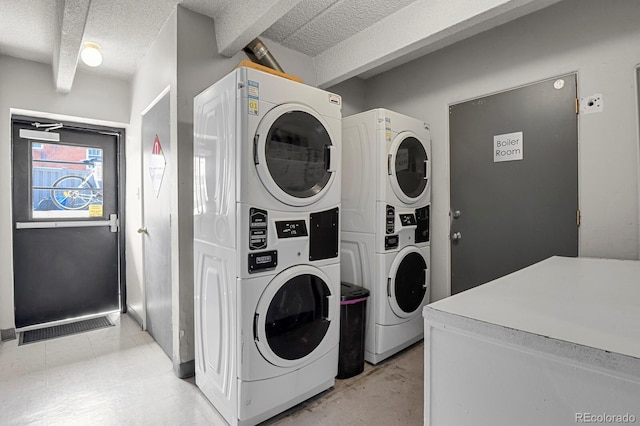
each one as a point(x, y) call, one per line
point(258, 53)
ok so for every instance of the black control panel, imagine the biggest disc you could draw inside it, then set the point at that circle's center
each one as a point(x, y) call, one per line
point(422, 222)
point(257, 229)
point(391, 242)
point(390, 219)
point(407, 219)
point(324, 235)
point(291, 229)
point(262, 261)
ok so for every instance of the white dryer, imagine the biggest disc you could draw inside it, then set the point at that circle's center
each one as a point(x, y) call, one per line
point(385, 243)
point(386, 157)
point(266, 243)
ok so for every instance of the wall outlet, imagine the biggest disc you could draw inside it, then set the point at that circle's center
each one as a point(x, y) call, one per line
point(591, 104)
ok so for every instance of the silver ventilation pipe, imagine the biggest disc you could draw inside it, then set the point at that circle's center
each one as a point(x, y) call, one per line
point(258, 53)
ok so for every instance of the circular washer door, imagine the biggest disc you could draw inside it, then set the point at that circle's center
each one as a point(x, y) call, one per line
point(407, 282)
point(293, 316)
point(409, 167)
point(294, 154)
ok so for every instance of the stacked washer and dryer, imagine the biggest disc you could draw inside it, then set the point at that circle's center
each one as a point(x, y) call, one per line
point(386, 199)
point(267, 194)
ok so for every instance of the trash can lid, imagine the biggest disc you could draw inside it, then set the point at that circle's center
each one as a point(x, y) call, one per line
point(350, 291)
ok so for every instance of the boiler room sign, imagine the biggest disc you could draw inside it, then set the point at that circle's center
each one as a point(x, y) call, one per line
point(507, 147)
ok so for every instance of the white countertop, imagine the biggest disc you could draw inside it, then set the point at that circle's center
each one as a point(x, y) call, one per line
point(591, 302)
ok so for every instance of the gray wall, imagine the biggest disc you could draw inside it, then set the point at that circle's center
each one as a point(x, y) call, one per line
point(598, 40)
point(29, 87)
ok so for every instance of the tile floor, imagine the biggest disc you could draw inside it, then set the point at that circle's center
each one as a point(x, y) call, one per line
point(120, 376)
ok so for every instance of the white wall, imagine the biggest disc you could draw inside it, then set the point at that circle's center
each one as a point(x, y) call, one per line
point(28, 86)
point(598, 40)
point(353, 94)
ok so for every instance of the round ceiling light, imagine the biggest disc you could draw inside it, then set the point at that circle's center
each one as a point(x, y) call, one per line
point(90, 54)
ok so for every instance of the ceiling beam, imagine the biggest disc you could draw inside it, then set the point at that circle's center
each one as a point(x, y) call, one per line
point(243, 20)
point(70, 23)
point(418, 29)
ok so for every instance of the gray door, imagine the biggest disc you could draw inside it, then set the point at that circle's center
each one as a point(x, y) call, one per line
point(514, 180)
point(66, 238)
point(157, 223)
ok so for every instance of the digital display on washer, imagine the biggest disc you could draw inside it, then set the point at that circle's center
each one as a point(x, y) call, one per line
point(262, 261)
point(407, 219)
point(291, 229)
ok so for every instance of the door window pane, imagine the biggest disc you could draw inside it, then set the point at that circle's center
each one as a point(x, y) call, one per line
point(410, 167)
point(296, 152)
point(66, 181)
point(410, 282)
point(296, 319)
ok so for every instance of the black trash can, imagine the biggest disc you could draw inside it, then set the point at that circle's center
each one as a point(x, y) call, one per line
point(353, 313)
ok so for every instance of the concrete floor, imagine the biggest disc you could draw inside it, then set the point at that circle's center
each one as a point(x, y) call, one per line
point(389, 393)
point(120, 376)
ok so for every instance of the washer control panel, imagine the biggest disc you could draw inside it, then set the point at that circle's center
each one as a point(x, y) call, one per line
point(390, 219)
point(257, 229)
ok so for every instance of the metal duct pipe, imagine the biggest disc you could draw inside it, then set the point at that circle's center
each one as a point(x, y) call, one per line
point(258, 53)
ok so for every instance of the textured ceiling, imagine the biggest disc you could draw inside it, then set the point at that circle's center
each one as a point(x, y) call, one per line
point(316, 25)
point(344, 37)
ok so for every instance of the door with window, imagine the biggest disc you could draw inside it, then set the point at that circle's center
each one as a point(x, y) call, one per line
point(66, 238)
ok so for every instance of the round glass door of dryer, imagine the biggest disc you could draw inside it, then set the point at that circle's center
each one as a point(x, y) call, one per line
point(408, 282)
point(293, 316)
point(295, 155)
point(409, 167)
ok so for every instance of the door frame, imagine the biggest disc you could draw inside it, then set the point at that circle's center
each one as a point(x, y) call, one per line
point(496, 92)
point(91, 125)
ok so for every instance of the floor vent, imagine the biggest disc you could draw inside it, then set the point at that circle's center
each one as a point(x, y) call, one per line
point(33, 336)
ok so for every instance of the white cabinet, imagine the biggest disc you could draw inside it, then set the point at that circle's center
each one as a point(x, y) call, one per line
point(557, 343)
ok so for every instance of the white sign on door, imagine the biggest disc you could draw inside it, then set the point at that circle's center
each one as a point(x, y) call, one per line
point(508, 147)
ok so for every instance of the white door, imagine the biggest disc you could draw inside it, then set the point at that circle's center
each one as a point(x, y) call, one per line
point(156, 231)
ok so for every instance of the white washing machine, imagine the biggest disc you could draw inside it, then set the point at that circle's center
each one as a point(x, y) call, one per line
point(399, 285)
point(266, 243)
point(386, 157)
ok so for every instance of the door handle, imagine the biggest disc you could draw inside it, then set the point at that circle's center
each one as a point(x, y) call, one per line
point(456, 236)
point(142, 231)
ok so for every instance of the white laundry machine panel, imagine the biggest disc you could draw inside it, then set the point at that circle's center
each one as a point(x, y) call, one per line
point(271, 241)
point(386, 158)
point(399, 285)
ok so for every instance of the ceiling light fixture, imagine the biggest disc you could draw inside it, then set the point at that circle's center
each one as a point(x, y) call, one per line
point(91, 54)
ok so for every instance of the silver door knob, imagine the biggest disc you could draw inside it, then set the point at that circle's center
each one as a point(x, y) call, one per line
point(457, 214)
point(456, 236)
point(142, 231)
